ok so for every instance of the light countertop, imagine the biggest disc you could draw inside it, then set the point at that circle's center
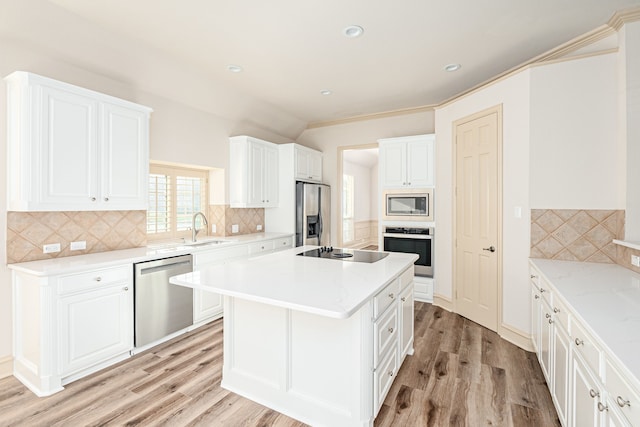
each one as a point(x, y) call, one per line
point(327, 287)
point(72, 264)
point(606, 299)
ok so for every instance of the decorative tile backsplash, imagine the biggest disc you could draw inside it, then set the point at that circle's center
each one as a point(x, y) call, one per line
point(576, 235)
point(224, 217)
point(103, 231)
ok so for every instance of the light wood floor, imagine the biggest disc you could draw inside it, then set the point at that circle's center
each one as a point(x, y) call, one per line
point(461, 375)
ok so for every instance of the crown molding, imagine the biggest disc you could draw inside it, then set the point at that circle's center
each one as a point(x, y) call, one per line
point(382, 115)
point(623, 17)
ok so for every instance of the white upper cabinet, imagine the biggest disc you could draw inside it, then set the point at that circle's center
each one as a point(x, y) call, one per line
point(407, 162)
point(74, 149)
point(253, 173)
point(308, 164)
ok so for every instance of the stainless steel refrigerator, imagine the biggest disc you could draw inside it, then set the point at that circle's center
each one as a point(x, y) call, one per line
point(313, 214)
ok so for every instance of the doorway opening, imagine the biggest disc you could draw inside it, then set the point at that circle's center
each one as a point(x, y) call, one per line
point(359, 197)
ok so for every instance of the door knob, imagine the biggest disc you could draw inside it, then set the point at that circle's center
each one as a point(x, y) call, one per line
point(490, 249)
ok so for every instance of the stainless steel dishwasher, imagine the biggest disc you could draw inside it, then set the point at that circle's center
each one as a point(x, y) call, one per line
point(160, 307)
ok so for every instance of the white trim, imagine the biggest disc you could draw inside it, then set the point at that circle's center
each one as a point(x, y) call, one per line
point(631, 245)
point(442, 301)
point(517, 337)
point(6, 366)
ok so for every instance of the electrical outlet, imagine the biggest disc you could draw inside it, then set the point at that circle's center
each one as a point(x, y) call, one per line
point(51, 248)
point(259, 227)
point(635, 260)
point(235, 228)
point(78, 246)
point(213, 228)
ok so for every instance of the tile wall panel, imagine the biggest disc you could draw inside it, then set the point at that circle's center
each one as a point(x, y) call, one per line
point(224, 217)
point(103, 231)
point(576, 235)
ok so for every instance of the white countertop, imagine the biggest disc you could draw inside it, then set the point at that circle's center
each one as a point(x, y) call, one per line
point(606, 298)
point(328, 287)
point(77, 263)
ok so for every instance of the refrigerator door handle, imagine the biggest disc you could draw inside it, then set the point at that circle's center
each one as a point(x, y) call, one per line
point(319, 217)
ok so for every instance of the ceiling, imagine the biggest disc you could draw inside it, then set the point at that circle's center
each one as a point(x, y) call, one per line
point(291, 50)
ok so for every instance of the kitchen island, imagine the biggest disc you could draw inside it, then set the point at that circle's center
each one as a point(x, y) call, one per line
point(317, 339)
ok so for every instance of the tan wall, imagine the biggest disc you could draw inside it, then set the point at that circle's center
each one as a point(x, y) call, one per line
point(224, 217)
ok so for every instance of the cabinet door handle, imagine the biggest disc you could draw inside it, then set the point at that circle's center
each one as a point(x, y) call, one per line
point(536, 296)
point(391, 295)
point(106, 199)
point(547, 315)
point(93, 199)
point(403, 299)
point(126, 288)
point(579, 342)
point(98, 279)
point(621, 402)
point(390, 373)
point(542, 290)
point(602, 407)
point(593, 393)
point(390, 330)
point(550, 321)
point(556, 310)
point(534, 277)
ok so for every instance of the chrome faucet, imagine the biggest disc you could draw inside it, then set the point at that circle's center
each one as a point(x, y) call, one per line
point(194, 232)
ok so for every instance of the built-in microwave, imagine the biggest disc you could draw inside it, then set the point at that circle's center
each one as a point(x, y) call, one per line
point(408, 205)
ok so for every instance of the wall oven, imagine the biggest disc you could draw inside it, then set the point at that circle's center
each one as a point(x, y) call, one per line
point(412, 240)
point(408, 205)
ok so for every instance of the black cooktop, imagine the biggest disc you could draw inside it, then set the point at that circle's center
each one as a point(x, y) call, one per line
point(352, 255)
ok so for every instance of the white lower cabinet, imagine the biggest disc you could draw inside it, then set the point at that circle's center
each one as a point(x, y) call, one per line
point(95, 326)
point(588, 387)
point(68, 326)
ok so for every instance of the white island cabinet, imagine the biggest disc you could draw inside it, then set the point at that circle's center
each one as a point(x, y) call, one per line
point(319, 340)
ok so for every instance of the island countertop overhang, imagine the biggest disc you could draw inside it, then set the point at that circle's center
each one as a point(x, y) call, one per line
point(331, 288)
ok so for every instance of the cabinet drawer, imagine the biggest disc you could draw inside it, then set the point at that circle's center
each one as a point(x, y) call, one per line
point(622, 394)
point(383, 378)
point(385, 335)
point(260, 247)
point(385, 298)
point(585, 345)
point(284, 243)
point(94, 279)
point(201, 259)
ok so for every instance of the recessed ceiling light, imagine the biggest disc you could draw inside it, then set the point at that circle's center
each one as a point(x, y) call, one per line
point(452, 67)
point(353, 31)
point(234, 68)
point(325, 92)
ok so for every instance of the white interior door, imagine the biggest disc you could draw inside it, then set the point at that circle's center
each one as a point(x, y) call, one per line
point(477, 250)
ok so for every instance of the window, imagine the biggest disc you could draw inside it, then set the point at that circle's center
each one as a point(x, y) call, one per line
point(347, 208)
point(175, 194)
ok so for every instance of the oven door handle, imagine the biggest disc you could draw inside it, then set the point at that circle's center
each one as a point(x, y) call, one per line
point(409, 236)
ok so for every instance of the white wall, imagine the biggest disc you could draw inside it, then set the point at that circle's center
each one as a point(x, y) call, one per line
point(374, 195)
point(362, 189)
point(513, 94)
point(328, 139)
point(575, 152)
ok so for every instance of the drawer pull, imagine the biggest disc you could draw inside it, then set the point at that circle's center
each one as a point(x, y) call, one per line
point(390, 330)
point(93, 199)
point(579, 342)
point(593, 393)
point(542, 290)
point(621, 402)
point(390, 373)
point(602, 407)
point(550, 321)
point(534, 276)
point(126, 288)
point(556, 310)
point(98, 279)
point(547, 315)
point(106, 199)
point(537, 296)
point(391, 295)
point(403, 299)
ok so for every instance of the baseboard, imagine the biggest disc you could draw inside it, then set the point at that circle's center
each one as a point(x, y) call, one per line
point(442, 301)
point(516, 337)
point(6, 366)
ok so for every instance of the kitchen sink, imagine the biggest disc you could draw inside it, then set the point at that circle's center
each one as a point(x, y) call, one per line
point(206, 243)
